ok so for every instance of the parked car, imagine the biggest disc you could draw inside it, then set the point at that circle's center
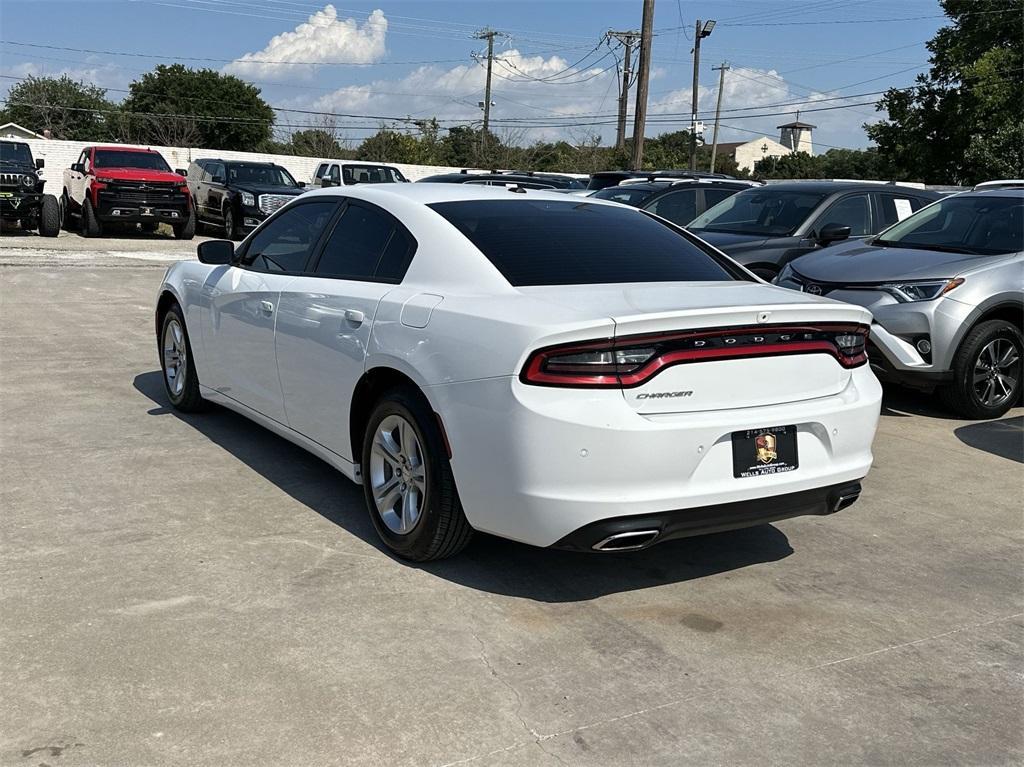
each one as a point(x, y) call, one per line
point(678, 200)
point(767, 227)
point(21, 191)
point(237, 196)
point(118, 185)
point(946, 288)
point(349, 172)
point(521, 179)
point(558, 371)
point(606, 178)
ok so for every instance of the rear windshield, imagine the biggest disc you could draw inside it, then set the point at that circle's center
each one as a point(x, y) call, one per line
point(541, 242)
point(115, 158)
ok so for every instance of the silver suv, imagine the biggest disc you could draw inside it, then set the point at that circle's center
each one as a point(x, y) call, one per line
point(946, 288)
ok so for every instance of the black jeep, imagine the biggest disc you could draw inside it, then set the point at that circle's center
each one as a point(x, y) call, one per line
point(21, 191)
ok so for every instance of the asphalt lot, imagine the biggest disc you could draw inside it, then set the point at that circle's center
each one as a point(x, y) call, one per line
point(195, 590)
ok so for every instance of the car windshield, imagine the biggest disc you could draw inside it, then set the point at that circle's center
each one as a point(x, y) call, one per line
point(984, 225)
point(15, 154)
point(628, 195)
point(541, 242)
point(116, 158)
point(370, 174)
point(266, 175)
point(764, 212)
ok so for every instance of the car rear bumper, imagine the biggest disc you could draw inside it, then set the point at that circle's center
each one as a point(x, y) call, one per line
point(536, 464)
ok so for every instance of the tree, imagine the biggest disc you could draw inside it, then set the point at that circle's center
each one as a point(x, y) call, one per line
point(964, 120)
point(69, 110)
point(316, 142)
point(835, 163)
point(177, 106)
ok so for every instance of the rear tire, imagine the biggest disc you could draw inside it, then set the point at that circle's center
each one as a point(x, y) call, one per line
point(176, 362)
point(49, 216)
point(91, 226)
point(405, 463)
point(986, 372)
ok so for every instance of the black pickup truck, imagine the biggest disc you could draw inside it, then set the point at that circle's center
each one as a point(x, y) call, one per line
point(21, 191)
point(237, 196)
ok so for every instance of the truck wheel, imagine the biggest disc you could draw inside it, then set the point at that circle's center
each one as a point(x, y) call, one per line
point(230, 225)
point(187, 230)
point(91, 226)
point(49, 216)
point(67, 219)
point(986, 372)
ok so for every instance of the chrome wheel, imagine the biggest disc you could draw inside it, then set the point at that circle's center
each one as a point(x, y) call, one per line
point(398, 477)
point(995, 372)
point(175, 357)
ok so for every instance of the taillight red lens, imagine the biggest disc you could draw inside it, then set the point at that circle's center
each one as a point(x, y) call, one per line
point(634, 360)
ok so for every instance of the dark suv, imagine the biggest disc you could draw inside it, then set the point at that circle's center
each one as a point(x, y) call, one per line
point(606, 178)
point(21, 191)
point(679, 200)
point(767, 227)
point(237, 196)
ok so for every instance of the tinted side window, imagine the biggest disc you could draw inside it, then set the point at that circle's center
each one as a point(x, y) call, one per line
point(714, 196)
point(334, 174)
point(541, 242)
point(852, 211)
point(321, 169)
point(366, 244)
point(679, 207)
point(893, 208)
point(284, 243)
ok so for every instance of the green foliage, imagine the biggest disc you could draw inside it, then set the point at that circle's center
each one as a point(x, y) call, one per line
point(835, 163)
point(70, 110)
point(243, 120)
point(963, 122)
point(316, 142)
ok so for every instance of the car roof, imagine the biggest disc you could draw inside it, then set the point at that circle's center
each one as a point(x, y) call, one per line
point(830, 187)
point(427, 193)
point(1017, 192)
point(139, 149)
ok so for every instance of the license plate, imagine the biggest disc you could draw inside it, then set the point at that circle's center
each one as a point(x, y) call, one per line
point(756, 452)
point(147, 212)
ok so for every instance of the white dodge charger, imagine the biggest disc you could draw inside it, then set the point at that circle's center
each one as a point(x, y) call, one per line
point(563, 372)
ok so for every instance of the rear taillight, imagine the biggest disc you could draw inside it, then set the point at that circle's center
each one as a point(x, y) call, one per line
point(634, 360)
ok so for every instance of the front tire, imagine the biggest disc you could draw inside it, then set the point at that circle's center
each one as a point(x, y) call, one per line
point(230, 225)
point(187, 230)
point(91, 226)
point(180, 380)
point(408, 482)
point(986, 372)
point(49, 216)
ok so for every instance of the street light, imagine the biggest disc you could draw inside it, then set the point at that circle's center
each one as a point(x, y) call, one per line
point(703, 30)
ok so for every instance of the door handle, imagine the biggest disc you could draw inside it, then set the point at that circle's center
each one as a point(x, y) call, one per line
point(354, 316)
point(266, 307)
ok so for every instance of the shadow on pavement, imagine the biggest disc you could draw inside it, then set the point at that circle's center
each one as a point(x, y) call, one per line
point(489, 564)
point(902, 403)
point(1004, 438)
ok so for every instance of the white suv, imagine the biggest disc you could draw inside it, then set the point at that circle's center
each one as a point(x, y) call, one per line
point(348, 172)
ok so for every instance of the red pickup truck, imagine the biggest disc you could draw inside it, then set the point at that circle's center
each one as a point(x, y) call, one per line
point(111, 185)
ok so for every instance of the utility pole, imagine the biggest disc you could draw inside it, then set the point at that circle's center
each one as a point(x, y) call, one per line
point(627, 39)
point(702, 31)
point(488, 35)
point(640, 113)
point(718, 109)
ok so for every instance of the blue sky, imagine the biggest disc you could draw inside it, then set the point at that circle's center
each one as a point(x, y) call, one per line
point(416, 57)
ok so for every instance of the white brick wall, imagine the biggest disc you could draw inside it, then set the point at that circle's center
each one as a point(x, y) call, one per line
point(60, 154)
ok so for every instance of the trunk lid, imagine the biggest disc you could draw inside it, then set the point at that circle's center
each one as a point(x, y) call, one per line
point(720, 345)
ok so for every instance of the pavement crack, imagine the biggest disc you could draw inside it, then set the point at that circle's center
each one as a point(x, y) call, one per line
point(519, 698)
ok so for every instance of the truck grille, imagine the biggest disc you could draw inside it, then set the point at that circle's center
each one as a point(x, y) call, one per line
point(272, 202)
point(11, 179)
point(137, 191)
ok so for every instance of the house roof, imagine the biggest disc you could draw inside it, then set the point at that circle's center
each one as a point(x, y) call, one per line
point(22, 128)
point(796, 124)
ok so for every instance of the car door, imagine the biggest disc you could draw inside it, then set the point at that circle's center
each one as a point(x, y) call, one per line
point(325, 319)
point(215, 191)
point(77, 178)
point(242, 309)
point(852, 210)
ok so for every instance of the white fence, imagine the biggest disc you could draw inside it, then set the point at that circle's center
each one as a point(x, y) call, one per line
point(60, 154)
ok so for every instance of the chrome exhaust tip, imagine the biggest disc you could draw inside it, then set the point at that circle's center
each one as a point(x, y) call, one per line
point(844, 500)
point(630, 541)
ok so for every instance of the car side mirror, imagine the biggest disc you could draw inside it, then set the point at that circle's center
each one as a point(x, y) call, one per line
point(326, 182)
point(300, 184)
point(217, 180)
point(40, 163)
point(832, 233)
point(216, 252)
point(77, 167)
point(181, 171)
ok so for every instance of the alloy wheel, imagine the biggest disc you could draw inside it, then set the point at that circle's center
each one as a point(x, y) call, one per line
point(995, 372)
point(175, 357)
point(398, 477)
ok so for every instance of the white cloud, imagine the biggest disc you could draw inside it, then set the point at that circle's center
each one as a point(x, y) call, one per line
point(324, 37)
